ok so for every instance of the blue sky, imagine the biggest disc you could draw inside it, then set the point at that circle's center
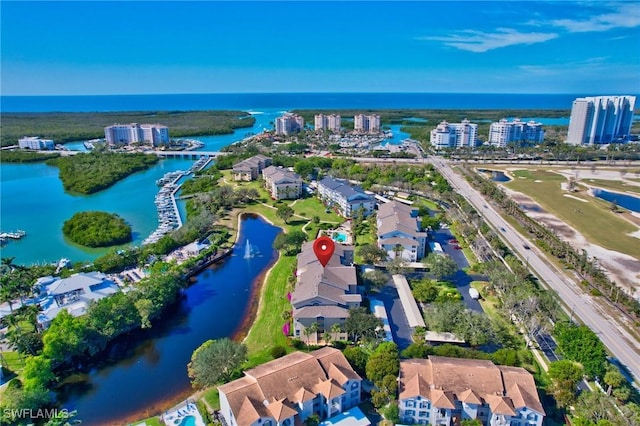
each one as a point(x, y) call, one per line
point(121, 47)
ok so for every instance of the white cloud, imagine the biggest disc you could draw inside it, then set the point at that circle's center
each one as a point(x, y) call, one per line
point(478, 41)
point(590, 65)
point(621, 15)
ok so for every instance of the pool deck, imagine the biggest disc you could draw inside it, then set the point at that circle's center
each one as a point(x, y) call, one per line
point(175, 415)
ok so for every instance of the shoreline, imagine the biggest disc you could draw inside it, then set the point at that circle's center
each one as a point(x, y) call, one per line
point(239, 334)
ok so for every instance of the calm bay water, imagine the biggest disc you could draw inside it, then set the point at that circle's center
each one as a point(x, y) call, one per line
point(33, 199)
point(146, 373)
point(261, 101)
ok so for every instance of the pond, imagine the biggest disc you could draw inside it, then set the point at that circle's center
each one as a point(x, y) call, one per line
point(146, 372)
point(626, 201)
point(496, 175)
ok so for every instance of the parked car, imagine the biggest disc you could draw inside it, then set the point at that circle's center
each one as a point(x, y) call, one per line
point(457, 247)
point(474, 293)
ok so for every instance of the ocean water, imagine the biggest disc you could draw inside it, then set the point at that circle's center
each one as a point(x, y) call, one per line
point(284, 101)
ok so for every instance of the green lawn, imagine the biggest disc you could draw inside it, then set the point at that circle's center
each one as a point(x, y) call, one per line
point(11, 360)
point(431, 205)
point(266, 331)
point(593, 218)
point(212, 397)
point(312, 206)
point(151, 421)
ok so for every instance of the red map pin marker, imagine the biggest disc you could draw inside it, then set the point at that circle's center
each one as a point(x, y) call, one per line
point(323, 247)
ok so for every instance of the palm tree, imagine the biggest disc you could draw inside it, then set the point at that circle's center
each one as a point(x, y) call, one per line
point(336, 330)
point(398, 249)
point(313, 328)
point(8, 291)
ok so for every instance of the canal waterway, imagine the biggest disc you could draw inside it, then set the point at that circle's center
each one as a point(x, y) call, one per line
point(146, 372)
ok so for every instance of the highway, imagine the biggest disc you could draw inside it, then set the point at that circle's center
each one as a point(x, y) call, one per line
point(619, 342)
point(622, 346)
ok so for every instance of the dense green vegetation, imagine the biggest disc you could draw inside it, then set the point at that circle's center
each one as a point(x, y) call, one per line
point(73, 126)
point(581, 344)
point(95, 171)
point(216, 361)
point(97, 229)
point(435, 116)
point(25, 156)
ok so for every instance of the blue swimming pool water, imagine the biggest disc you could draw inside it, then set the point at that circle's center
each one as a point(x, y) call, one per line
point(188, 421)
point(340, 237)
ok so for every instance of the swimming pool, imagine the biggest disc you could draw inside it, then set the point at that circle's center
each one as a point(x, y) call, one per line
point(340, 237)
point(188, 421)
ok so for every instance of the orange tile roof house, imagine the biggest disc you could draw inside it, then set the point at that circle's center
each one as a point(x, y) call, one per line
point(444, 391)
point(288, 390)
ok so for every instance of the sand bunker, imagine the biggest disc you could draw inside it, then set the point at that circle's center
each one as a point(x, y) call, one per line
point(620, 267)
point(575, 198)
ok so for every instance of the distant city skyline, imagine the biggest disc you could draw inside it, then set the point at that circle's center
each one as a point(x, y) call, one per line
point(158, 47)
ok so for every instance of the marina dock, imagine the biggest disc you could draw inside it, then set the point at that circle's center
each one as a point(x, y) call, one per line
point(168, 214)
point(5, 236)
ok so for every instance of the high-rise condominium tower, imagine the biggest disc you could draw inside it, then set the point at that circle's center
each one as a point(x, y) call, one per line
point(600, 119)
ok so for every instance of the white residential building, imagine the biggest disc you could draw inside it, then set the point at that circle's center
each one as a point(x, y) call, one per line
point(366, 123)
point(281, 183)
point(288, 124)
point(73, 294)
point(600, 119)
point(454, 135)
point(346, 198)
point(121, 134)
point(327, 122)
point(288, 390)
point(35, 143)
point(504, 132)
point(445, 391)
point(399, 231)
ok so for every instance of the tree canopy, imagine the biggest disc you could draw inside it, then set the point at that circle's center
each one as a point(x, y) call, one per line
point(361, 324)
point(581, 344)
point(95, 171)
point(441, 265)
point(215, 361)
point(97, 229)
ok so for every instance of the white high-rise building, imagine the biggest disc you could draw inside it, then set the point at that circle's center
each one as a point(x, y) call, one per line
point(600, 119)
point(30, 142)
point(327, 122)
point(288, 124)
point(503, 132)
point(366, 123)
point(454, 135)
point(119, 134)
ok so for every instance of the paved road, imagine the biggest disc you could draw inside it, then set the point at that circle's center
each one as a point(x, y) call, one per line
point(400, 329)
point(619, 342)
point(461, 279)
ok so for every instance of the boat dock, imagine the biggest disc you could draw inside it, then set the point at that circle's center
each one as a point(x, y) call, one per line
point(168, 214)
point(5, 236)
